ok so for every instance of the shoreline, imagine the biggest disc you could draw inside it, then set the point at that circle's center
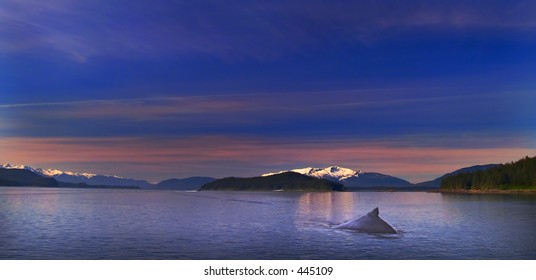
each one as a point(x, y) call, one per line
point(492, 191)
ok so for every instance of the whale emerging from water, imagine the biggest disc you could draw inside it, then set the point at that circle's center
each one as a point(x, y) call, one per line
point(369, 223)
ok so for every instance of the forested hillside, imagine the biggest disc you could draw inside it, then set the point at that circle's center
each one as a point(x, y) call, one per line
point(514, 175)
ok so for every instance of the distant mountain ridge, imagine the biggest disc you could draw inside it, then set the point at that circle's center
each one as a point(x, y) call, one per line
point(352, 179)
point(191, 183)
point(79, 177)
point(48, 172)
point(349, 177)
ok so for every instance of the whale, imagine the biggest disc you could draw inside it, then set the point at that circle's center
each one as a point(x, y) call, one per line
point(368, 223)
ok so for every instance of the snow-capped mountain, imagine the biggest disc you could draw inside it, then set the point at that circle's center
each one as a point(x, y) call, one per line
point(333, 173)
point(78, 177)
point(349, 177)
point(48, 172)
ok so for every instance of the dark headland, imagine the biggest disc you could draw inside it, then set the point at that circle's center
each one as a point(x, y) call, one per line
point(288, 181)
point(27, 178)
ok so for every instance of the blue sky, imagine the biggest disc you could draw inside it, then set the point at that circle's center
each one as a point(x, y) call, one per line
point(165, 89)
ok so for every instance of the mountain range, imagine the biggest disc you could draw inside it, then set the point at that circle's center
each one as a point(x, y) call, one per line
point(351, 179)
point(79, 177)
point(26, 178)
point(71, 177)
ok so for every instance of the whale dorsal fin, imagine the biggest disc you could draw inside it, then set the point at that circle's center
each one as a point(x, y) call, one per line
point(375, 212)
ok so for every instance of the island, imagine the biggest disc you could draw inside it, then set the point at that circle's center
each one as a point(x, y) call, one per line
point(288, 181)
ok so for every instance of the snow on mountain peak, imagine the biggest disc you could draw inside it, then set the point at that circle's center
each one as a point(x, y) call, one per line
point(48, 172)
point(17, 166)
point(13, 166)
point(331, 172)
point(56, 172)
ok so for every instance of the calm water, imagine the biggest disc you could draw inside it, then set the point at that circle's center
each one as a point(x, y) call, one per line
point(131, 224)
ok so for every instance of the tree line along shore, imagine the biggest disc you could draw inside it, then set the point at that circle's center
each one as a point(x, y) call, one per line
point(513, 177)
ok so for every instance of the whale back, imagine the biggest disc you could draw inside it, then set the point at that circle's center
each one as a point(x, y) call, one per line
point(369, 223)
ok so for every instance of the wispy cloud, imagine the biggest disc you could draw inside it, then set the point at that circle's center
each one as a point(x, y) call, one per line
point(335, 97)
point(351, 113)
point(151, 108)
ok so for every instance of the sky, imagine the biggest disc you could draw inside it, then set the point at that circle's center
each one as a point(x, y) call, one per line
point(171, 89)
